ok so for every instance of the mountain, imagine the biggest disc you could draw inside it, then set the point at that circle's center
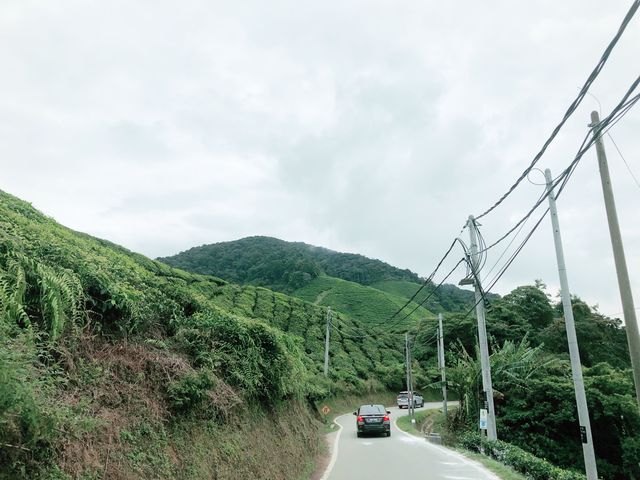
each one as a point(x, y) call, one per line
point(358, 286)
point(281, 265)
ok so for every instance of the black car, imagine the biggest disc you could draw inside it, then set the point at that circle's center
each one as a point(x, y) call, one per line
point(373, 419)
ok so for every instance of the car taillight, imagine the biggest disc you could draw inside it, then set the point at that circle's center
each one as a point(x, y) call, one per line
point(360, 418)
point(386, 418)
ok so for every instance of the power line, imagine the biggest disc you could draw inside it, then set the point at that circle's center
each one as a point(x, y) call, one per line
point(605, 124)
point(424, 301)
point(623, 159)
point(426, 282)
point(572, 108)
point(602, 127)
point(418, 305)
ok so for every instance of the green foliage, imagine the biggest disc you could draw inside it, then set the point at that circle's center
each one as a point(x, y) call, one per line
point(366, 304)
point(53, 296)
point(593, 330)
point(513, 367)
point(30, 420)
point(517, 458)
point(544, 420)
point(448, 298)
point(283, 266)
point(268, 347)
point(190, 391)
point(262, 361)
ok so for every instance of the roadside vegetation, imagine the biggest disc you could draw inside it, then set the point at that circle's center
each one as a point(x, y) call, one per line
point(531, 373)
point(116, 366)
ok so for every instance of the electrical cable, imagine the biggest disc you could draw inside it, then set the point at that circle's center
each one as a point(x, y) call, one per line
point(624, 160)
point(572, 108)
point(589, 140)
point(427, 281)
point(397, 322)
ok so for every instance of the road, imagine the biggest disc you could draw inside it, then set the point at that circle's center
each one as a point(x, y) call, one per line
point(401, 456)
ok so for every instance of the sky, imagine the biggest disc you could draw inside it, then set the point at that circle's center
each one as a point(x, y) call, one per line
point(373, 127)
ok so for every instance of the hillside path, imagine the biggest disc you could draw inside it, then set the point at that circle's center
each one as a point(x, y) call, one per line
point(321, 296)
point(400, 456)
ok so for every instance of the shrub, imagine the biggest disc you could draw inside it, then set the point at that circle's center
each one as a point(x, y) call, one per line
point(264, 362)
point(517, 458)
point(29, 418)
point(190, 391)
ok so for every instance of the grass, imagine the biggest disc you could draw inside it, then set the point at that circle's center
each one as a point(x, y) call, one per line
point(437, 417)
point(502, 471)
point(358, 302)
point(404, 421)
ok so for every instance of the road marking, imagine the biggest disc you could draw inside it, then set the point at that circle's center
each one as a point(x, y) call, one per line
point(334, 453)
point(450, 453)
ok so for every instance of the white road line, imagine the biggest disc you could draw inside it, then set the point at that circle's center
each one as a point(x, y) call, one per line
point(451, 453)
point(334, 453)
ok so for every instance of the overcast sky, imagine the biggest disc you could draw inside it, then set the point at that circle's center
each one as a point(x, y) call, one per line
point(373, 127)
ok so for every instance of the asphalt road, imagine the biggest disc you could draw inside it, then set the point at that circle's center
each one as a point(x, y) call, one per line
point(400, 456)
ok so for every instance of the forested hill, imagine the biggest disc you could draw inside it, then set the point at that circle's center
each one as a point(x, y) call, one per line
point(274, 263)
point(113, 365)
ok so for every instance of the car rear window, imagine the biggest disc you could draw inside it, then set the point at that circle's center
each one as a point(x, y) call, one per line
point(371, 409)
point(403, 395)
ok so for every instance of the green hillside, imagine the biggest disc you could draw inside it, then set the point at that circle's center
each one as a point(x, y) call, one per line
point(113, 365)
point(530, 366)
point(283, 266)
point(116, 366)
point(366, 304)
point(359, 287)
point(448, 298)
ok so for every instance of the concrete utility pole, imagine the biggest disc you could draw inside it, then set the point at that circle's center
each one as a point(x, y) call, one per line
point(326, 343)
point(409, 379)
point(574, 353)
point(441, 365)
point(487, 385)
point(630, 320)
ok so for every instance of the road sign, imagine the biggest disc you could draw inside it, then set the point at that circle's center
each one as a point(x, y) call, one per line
point(483, 419)
point(325, 410)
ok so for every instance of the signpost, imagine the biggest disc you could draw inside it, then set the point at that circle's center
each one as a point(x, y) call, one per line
point(483, 418)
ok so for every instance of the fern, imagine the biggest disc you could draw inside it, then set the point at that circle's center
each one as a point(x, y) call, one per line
point(58, 294)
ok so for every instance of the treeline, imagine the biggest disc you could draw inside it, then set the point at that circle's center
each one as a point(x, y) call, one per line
point(283, 266)
point(534, 396)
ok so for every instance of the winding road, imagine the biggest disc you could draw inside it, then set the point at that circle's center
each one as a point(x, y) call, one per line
point(401, 456)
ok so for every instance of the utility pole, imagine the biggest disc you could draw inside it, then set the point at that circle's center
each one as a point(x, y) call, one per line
point(574, 353)
point(487, 385)
point(326, 343)
point(409, 379)
point(630, 320)
point(441, 365)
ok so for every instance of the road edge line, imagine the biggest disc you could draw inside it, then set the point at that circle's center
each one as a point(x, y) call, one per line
point(334, 451)
point(449, 451)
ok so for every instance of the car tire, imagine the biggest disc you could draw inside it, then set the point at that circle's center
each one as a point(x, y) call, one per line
point(388, 434)
point(359, 434)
